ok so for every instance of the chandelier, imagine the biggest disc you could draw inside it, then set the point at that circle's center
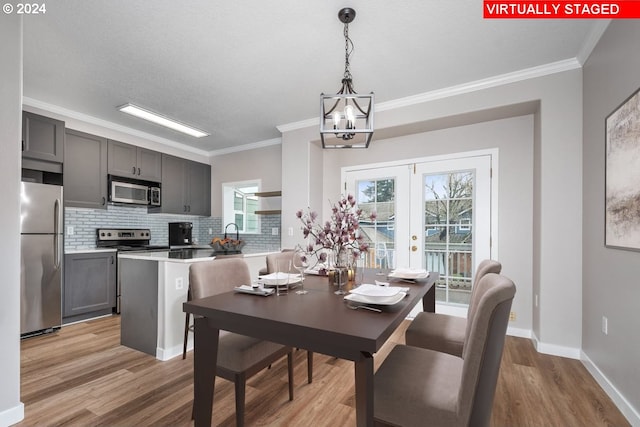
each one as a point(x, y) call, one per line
point(346, 118)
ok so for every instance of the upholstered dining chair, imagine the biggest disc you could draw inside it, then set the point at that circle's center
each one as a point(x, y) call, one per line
point(442, 332)
point(414, 385)
point(272, 263)
point(239, 356)
point(286, 255)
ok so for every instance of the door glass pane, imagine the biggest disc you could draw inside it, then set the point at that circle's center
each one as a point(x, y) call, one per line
point(378, 195)
point(448, 232)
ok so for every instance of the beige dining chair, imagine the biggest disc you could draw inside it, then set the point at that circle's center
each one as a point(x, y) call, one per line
point(272, 263)
point(442, 332)
point(417, 386)
point(239, 356)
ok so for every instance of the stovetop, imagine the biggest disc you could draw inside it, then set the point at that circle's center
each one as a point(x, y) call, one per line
point(126, 239)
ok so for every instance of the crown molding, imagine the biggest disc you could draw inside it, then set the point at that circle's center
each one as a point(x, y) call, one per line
point(592, 39)
point(109, 125)
point(503, 79)
point(244, 147)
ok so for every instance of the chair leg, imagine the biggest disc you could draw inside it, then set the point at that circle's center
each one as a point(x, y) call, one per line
point(240, 384)
point(186, 336)
point(290, 370)
point(309, 366)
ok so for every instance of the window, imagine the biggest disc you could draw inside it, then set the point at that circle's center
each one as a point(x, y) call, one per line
point(239, 205)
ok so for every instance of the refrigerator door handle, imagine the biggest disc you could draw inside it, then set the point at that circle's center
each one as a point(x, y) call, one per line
point(56, 234)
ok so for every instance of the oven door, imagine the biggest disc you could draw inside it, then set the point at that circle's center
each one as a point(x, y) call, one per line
point(127, 192)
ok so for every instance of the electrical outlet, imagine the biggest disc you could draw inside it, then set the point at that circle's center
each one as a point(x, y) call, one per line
point(605, 325)
point(70, 230)
point(179, 283)
point(512, 316)
point(211, 232)
point(274, 231)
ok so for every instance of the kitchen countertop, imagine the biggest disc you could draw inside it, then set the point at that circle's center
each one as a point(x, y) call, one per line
point(194, 255)
point(88, 250)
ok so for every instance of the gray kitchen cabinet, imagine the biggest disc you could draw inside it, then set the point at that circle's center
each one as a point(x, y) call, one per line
point(89, 284)
point(85, 170)
point(134, 162)
point(186, 187)
point(42, 138)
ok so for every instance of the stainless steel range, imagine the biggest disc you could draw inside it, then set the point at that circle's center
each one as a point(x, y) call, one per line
point(125, 239)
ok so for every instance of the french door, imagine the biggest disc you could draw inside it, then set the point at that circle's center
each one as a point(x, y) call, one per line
point(431, 214)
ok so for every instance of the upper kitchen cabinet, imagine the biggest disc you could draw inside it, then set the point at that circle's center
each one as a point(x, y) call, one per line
point(42, 138)
point(186, 187)
point(134, 162)
point(85, 170)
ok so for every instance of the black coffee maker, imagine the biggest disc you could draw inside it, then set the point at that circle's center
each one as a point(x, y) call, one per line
point(180, 234)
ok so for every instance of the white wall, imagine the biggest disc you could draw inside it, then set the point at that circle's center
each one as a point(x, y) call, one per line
point(555, 256)
point(610, 276)
point(11, 409)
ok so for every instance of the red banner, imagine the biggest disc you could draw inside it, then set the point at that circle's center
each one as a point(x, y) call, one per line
point(627, 9)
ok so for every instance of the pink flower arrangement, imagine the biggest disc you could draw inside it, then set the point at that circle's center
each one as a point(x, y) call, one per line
point(339, 234)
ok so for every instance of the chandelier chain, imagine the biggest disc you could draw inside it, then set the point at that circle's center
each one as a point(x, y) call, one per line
point(348, 50)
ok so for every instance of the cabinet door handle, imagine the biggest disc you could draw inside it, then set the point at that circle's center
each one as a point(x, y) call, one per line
point(138, 171)
point(104, 200)
point(112, 260)
point(23, 145)
point(133, 170)
point(184, 208)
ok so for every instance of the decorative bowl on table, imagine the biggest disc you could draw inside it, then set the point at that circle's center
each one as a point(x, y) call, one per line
point(227, 245)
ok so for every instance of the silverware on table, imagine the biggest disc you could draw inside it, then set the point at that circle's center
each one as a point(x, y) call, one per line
point(366, 307)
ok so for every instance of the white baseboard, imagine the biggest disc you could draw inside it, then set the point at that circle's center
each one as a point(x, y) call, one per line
point(632, 415)
point(555, 350)
point(165, 354)
point(519, 332)
point(12, 416)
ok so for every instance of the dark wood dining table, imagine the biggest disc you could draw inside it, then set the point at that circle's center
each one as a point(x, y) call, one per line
point(319, 321)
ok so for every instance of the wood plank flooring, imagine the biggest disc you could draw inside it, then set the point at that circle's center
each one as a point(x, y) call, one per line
point(82, 376)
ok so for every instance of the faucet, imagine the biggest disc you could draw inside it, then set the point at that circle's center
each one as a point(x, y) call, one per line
point(227, 226)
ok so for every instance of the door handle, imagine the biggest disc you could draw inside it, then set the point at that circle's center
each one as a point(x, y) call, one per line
point(414, 248)
point(138, 171)
point(414, 237)
point(104, 200)
point(133, 170)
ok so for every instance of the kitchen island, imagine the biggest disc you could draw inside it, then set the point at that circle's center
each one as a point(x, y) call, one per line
point(153, 287)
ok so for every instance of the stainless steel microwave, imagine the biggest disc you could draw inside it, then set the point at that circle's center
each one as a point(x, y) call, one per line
point(133, 192)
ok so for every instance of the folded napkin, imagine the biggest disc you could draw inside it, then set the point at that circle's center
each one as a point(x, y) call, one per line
point(375, 290)
point(246, 289)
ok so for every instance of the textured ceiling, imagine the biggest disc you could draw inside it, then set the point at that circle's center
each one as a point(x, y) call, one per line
point(237, 69)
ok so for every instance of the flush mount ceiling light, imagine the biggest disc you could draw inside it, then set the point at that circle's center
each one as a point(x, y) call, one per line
point(160, 120)
point(346, 118)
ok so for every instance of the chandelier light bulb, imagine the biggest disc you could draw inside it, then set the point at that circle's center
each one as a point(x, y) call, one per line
point(350, 116)
point(336, 119)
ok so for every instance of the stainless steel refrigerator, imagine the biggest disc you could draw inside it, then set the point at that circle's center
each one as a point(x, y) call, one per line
point(41, 255)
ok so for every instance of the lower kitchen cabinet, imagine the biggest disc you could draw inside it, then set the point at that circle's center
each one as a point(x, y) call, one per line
point(89, 285)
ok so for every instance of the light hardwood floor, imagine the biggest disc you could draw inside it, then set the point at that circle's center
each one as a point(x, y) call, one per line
point(82, 376)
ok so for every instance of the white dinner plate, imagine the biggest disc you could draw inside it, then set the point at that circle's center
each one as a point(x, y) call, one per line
point(273, 278)
point(376, 300)
point(409, 274)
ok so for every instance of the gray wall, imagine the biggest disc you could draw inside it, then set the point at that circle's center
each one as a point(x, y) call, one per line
point(611, 278)
point(11, 410)
point(555, 100)
point(262, 164)
point(514, 139)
